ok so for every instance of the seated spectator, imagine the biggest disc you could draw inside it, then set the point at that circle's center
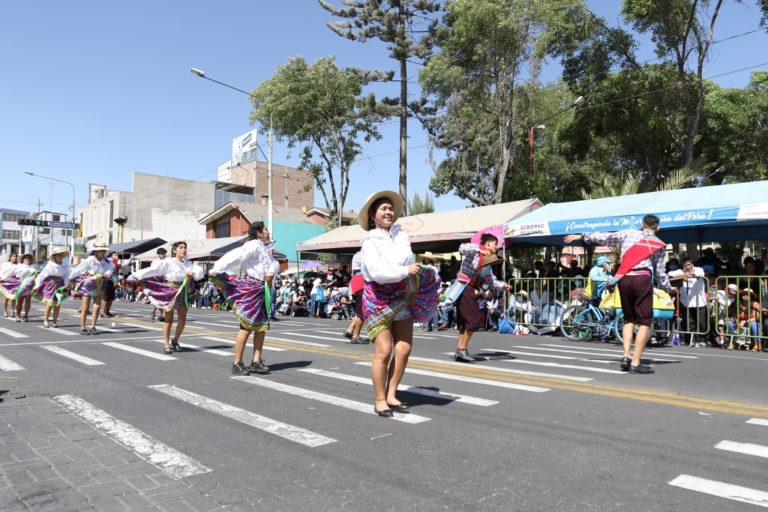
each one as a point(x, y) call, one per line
point(744, 319)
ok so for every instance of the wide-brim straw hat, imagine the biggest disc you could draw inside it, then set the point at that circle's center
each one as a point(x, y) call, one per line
point(391, 195)
point(491, 259)
point(22, 256)
point(99, 246)
point(59, 250)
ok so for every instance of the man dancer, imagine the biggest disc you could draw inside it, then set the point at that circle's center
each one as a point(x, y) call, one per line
point(642, 262)
point(474, 272)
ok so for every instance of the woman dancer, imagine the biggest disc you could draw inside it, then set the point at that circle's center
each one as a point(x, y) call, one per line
point(397, 291)
point(88, 279)
point(52, 285)
point(5, 269)
point(172, 294)
point(17, 285)
point(250, 297)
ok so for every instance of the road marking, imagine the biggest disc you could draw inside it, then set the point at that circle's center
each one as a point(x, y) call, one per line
point(12, 334)
point(71, 355)
point(745, 448)
point(312, 336)
point(198, 348)
point(231, 326)
point(59, 331)
point(173, 462)
point(551, 356)
point(307, 343)
point(278, 428)
point(7, 365)
point(140, 351)
point(231, 342)
point(473, 380)
point(758, 421)
point(550, 364)
point(616, 354)
point(141, 326)
point(722, 490)
point(328, 399)
point(503, 370)
point(609, 351)
point(431, 392)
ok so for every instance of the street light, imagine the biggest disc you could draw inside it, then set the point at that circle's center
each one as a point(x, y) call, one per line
point(72, 246)
point(540, 125)
point(201, 74)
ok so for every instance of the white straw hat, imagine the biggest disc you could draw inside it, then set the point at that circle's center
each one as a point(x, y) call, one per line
point(391, 195)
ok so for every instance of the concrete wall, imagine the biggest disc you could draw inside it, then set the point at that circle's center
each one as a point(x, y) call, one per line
point(288, 183)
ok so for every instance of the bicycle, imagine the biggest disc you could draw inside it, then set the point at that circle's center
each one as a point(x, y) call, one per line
point(583, 321)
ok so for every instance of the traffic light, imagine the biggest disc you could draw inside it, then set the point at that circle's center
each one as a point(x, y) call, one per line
point(34, 222)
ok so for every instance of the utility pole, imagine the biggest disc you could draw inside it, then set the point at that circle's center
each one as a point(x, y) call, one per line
point(269, 178)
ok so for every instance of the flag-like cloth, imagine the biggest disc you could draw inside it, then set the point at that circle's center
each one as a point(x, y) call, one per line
point(643, 249)
point(250, 298)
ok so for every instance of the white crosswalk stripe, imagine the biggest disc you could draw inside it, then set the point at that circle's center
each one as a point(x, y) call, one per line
point(722, 490)
point(7, 365)
point(72, 355)
point(328, 399)
point(453, 397)
point(298, 342)
point(756, 450)
point(57, 330)
point(758, 421)
point(551, 356)
point(311, 336)
point(550, 364)
point(604, 350)
point(173, 462)
point(473, 380)
point(504, 370)
point(616, 354)
point(12, 334)
point(198, 348)
point(278, 428)
point(140, 351)
point(232, 342)
point(140, 326)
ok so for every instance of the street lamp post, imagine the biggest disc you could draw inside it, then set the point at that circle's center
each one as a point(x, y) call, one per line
point(540, 125)
point(201, 74)
point(72, 244)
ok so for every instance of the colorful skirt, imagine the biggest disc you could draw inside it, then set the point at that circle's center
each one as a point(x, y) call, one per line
point(249, 298)
point(15, 288)
point(414, 296)
point(88, 285)
point(52, 291)
point(165, 295)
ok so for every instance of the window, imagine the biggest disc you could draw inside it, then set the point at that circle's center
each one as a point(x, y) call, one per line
point(44, 231)
point(63, 232)
point(11, 217)
point(222, 228)
point(11, 234)
point(57, 218)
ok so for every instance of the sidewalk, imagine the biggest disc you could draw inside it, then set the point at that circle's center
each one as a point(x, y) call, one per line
point(52, 460)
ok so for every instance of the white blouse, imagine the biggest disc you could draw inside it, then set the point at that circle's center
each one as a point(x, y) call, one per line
point(92, 266)
point(53, 269)
point(254, 258)
point(386, 255)
point(6, 268)
point(19, 270)
point(172, 270)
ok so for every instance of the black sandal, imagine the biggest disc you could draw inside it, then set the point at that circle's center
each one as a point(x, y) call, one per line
point(176, 346)
point(168, 350)
point(84, 332)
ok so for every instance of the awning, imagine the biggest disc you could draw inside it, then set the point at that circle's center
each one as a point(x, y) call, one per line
point(130, 249)
point(702, 214)
point(207, 249)
point(439, 231)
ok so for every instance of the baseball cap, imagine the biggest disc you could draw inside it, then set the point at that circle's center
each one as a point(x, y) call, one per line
point(602, 260)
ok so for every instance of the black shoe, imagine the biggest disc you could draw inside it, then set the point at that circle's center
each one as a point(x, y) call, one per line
point(625, 363)
point(384, 413)
point(641, 369)
point(463, 356)
point(161, 319)
point(401, 407)
point(348, 335)
point(239, 369)
point(354, 341)
point(258, 367)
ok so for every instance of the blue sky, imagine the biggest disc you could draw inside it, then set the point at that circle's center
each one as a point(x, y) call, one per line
point(92, 90)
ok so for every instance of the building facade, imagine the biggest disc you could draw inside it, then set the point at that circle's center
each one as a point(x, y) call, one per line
point(291, 187)
point(10, 230)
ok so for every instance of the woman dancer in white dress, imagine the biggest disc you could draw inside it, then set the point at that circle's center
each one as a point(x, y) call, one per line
point(52, 285)
point(88, 279)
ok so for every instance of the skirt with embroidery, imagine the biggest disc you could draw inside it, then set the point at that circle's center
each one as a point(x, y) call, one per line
point(249, 298)
point(17, 287)
point(165, 295)
point(414, 296)
point(87, 285)
point(52, 291)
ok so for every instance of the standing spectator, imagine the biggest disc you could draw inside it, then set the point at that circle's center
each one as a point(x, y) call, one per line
point(693, 300)
point(599, 276)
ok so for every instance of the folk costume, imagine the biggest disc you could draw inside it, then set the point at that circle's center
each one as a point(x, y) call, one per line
point(18, 280)
point(251, 299)
point(476, 271)
point(52, 284)
point(167, 284)
point(89, 276)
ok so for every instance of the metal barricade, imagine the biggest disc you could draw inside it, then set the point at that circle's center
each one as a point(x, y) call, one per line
point(740, 310)
point(538, 302)
point(693, 311)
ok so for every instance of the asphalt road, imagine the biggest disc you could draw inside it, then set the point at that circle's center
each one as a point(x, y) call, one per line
point(541, 424)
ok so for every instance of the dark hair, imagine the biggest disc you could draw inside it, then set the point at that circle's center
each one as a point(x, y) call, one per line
point(372, 210)
point(176, 245)
point(686, 260)
point(27, 256)
point(161, 250)
point(488, 237)
point(254, 229)
point(651, 221)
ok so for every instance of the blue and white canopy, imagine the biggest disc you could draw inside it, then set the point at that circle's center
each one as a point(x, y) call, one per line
point(703, 214)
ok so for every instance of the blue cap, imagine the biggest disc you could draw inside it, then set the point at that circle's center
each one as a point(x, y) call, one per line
point(602, 260)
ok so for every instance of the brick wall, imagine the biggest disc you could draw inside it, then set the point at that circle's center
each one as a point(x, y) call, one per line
point(288, 183)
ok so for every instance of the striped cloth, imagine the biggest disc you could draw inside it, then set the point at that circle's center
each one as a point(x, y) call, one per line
point(249, 298)
point(52, 291)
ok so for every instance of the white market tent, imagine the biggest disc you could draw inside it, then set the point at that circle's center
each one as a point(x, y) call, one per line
point(701, 214)
point(438, 231)
point(207, 248)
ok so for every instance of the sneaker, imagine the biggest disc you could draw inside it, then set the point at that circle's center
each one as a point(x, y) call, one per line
point(258, 367)
point(463, 356)
point(625, 363)
point(239, 369)
point(640, 369)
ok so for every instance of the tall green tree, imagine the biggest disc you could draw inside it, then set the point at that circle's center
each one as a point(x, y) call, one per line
point(419, 205)
point(407, 26)
point(319, 107)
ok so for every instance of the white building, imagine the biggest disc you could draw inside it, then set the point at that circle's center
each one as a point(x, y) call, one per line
point(39, 239)
point(10, 230)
